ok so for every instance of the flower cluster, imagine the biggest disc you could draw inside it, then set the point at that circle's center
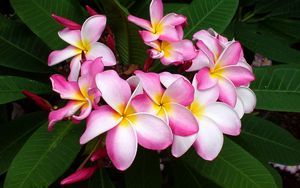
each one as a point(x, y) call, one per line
point(153, 110)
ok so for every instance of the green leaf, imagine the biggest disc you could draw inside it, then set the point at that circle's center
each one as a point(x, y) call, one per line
point(36, 14)
point(100, 180)
point(261, 39)
point(186, 176)
point(129, 44)
point(234, 167)
point(11, 88)
point(14, 134)
point(145, 171)
point(44, 157)
point(289, 27)
point(277, 88)
point(204, 14)
point(20, 49)
point(280, 8)
point(268, 141)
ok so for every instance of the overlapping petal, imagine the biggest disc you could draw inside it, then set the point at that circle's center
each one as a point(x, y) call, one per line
point(58, 56)
point(92, 29)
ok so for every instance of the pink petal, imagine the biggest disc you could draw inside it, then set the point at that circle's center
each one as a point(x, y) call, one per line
point(91, 68)
point(186, 48)
point(180, 31)
point(66, 22)
point(207, 96)
point(67, 90)
point(239, 107)
point(210, 41)
point(80, 175)
point(172, 57)
point(101, 50)
point(135, 85)
point(181, 91)
point(115, 91)
point(151, 85)
point(205, 80)
point(152, 132)
point(58, 56)
point(85, 111)
point(239, 76)
point(66, 111)
point(143, 103)
point(99, 154)
point(167, 78)
point(227, 92)
point(72, 37)
point(225, 117)
point(92, 29)
point(148, 36)
point(181, 120)
point(156, 11)
point(75, 68)
point(182, 143)
point(100, 121)
point(247, 97)
point(168, 33)
point(210, 139)
point(199, 62)
point(121, 145)
point(230, 55)
point(140, 22)
point(207, 52)
point(172, 19)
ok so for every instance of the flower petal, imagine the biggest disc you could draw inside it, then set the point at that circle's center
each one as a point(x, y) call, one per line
point(143, 103)
point(230, 55)
point(182, 143)
point(199, 62)
point(186, 48)
point(101, 50)
point(92, 29)
point(181, 91)
point(247, 97)
point(91, 69)
point(115, 91)
point(156, 11)
point(58, 56)
point(227, 92)
point(121, 145)
point(66, 111)
point(75, 66)
point(205, 80)
point(181, 120)
point(207, 96)
point(67, 90)
point(85, 111)
point(168, 33)
point(225, 117)
point(239, 107)
point(152, 132)
point(210, 139)
point(140, 22)
point(80, 175)
point(172, 19)
point(72, 37)
point(151, 85)
point(167, 78)
point(239, 76)
point(148, 36)
point(100, 121)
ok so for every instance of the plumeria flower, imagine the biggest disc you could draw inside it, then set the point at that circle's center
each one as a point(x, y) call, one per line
point(168, 104)
point(166, 28)
point(214, 118)
point(82, 95)
point(220, 68)
point(172, 52)
point(83, 41)
point(125, 128)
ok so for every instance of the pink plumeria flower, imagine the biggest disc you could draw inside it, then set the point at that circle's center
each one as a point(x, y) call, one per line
point(220, 67)
point(214, 118)
point(125, 128)
point(167, 28)
point(168, 104)
point(84, 40)
point(82, 95)
point(172, 52)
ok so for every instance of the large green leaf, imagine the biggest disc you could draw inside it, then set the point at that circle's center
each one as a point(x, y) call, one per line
point(277, 88)
point(234, 167)
point(21, 49)
point(36, 14)
point(44, 157)
point(204, 14)
point(261, 39)
point(100, 180)
point(14, 134)
point(146, 168)
point(290, 27)
point(11, 88)
point(129, 44)
point(280, 8)
point(269, 142)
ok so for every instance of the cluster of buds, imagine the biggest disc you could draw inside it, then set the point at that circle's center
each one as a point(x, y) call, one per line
point(153, 110)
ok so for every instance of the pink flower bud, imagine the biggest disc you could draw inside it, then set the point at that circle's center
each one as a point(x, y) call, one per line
point(91, 11)
point(39, 101)
point(98, 154)
point(148, 63)
point(66, 22)
point(80, 175)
